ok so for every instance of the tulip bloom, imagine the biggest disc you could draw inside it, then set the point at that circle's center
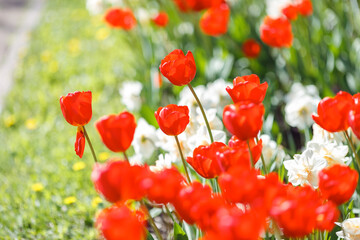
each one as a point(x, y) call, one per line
point(178, 68)
point(248, 88)
point(172, 119)
point(196, 5)
point(251, 48)
point(276, 32)
point(244, 120)
point(304, 7)
point(76, 109)
point(161, 19)
point(338, 183)
point(327, 215)
point(205, 161)
point(118, 181)
point(354, 116)
point(119, 222)
point(117, 131)
point(120, 18)
point(215, 20)
point(333, 112)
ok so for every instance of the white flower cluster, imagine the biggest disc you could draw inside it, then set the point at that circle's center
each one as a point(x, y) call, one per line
point(147, 139)
point(350, 229)
point(325, 149)
point(302, 102)
point(271, 152)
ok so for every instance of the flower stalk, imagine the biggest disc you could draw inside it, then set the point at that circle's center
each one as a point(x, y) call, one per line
point(90, 144)
point(182, 159)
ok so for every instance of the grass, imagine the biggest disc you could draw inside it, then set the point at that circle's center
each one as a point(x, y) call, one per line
point(42, 196)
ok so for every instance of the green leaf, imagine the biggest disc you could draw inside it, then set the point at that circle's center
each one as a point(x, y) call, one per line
point(179, 233)
point(148, 114)
point(149, 237)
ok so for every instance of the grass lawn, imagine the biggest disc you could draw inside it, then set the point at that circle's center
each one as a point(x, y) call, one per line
point(45, 189)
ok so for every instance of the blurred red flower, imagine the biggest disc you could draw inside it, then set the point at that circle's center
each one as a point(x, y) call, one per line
point(118, 181)
point(332, 113)
point(327, 214)
point(338, 183)
point(120, 18)
point(172, 119)
point(251, 48)
point(215, 20)
point(161, 19)
point(196, 5)
point(276, 32)
point(169, 179)
point(187, 199)
point(304, 7)
point(248, 88)
point(120, 223)
point(238, 153)
point(244, 120)
point(354, 115)
point(290, 11)
point(117, 131)
point(76, 108)
point(178, 68)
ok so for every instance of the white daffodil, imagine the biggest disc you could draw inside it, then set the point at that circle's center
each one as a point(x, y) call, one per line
point(271, 151)
point(350, 229)
point(331, 152)
point(304, 168)
point(216, 95)
point(130, 95)
point(145, 139)
point(136, 159)
point(214, 122)
point(202, 138)
point(322, 136)
point(298, 111)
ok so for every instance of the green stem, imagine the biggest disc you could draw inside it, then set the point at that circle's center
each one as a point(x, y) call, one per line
point(169, 213)
point(202, 111)
point(250, 153)
point(261, 156)
point(152, 222)
point(90, 145)
point(352, 148)
point(125, 156)
point(182, 159)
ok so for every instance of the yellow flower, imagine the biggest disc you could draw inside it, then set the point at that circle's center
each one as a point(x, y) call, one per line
point(31, 124)
point(102, 34)
point(53, 66)
point(78, 166)
point(9, 121)
point(95, 202)
point(70, 200)
point(104, 156)
point(37, 187)
point(45, 56)
point(74, 46)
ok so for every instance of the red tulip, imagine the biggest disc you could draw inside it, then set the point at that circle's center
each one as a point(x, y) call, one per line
point(248, 88)
point(251, 48)
point(188, 197)
point(205, 161)
point(238, 153)
point(290, 11)
point(172, 119)
point(161, 19)
point(118, 181)
point(169, 179)
point(76, 108)
point(119, 222)
point(276, 32)
point(215, 20)
point(327, 215)
point(294, 210)
point(338, 183)
point(120, 18)
point(244, 120)
point(354, 115)
point(117, 131)
point(80, 142)
point(178, 68)
point(333, 112)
